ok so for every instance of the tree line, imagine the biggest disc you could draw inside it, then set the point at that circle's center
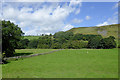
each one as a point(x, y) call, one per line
point(68, 40)
point(12, 38)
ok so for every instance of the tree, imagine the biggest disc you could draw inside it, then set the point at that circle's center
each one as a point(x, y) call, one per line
point(76, 44)
point(107, 43)
point(94, 42)
point(44, 42)
point(56, 46)
point(62, 37)
point(23, 44)
point(59, 34)
point(11, 35)
point(33, 43)
point(68, 35)
point(78, 36)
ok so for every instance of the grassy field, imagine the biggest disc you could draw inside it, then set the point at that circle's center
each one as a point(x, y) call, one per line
point(31, 37)
point(73, 63)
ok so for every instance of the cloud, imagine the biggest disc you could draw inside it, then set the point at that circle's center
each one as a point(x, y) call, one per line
point(39, 18)
point(74, 3)
point(77, 21)
point(116, 13)
point(67, 27)
point(103, 24)
point(116, 5)
point(77, 11)
point(112, 20)
point(87, 17)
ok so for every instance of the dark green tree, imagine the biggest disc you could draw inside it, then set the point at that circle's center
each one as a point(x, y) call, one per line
point(11, 35)
point(94, 42)
point(33, 43)
point(76, 44)
point(107, 43)
point(44, 42)
point(23, 44)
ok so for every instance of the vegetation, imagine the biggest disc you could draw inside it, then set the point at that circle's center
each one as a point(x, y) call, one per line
point(73, 63)
point(33, 44)
point(104, 31)
point(107, 43)
point(68, 40)
point(68, 63)
point(22, 44)
point(12, 38)
point(31, 51)
point(31, 37)
point(11, 35)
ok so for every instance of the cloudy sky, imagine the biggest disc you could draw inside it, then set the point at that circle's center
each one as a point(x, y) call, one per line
point(50, 17)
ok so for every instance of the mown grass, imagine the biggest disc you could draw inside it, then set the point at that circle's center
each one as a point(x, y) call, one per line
point(69, 63)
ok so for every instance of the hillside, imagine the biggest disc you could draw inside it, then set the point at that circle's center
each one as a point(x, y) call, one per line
point(105, 31)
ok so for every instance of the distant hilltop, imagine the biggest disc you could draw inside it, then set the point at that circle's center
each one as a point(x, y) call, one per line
point(105, 31)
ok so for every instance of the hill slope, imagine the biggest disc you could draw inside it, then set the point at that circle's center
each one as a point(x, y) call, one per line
point(105, 31)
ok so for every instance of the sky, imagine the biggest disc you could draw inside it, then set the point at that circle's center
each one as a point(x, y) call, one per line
point(35, 18)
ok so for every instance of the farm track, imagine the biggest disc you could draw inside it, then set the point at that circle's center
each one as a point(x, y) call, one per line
point(27, 56)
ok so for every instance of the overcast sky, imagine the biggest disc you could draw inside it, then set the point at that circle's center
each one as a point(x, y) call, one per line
point(50, 17)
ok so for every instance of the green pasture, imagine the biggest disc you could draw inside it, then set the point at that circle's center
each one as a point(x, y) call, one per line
point(31, 37)
point(68, 63)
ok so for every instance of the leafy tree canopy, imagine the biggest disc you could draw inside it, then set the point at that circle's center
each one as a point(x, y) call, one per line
point(11, 35)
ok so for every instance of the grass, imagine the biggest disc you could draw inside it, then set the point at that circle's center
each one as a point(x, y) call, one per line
point(106, 31)
point(0, 71)
point(69, 63)
point(31, 51)
point(31, 37)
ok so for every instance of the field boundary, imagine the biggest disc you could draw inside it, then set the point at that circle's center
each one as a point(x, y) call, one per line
point(27, 56)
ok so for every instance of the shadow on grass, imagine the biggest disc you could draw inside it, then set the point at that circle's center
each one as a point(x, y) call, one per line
point(22, 54)
point(5, 62)
point(15, 59)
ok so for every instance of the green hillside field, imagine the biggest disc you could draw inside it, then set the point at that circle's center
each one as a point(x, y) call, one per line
point(105, 31)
